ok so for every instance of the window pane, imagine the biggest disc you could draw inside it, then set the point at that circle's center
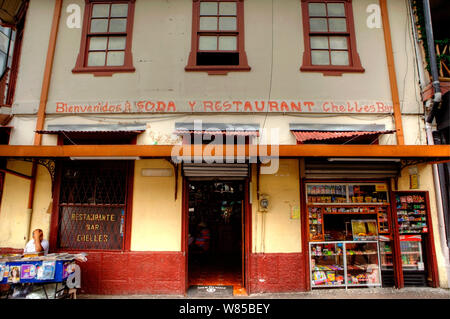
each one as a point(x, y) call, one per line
point(317, 10)
point(208, 23)
point(227, 9)
point(100, 11)
point(4, 40)
point(319, 42)
point(6, 31)
point(336, 10)
point(119, 10)
point(117, 43)
point(339, 58)
point(2, 62)
point(208, 8)
point(99, 25)
point(116, 58)
point(338, 43)
point(227, 43)
point(207, 43)
point(337, 25)
point(320, 58)
point(118, 25)
point(96, 59)
point(97, 43)
point(318, 24)
point(228, 24)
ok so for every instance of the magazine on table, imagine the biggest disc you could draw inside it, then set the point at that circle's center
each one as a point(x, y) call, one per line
point(46, 271)
point(14, 274)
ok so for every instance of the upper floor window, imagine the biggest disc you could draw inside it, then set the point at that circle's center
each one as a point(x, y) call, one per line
point(106, 38)
point(329, 35)
point(7, 37)
point(10, 47)
point(218, 37)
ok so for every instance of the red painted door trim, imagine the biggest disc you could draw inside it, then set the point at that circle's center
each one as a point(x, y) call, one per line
point(247, 213)
point(129, 208)
point(185, 230)
point(304, 224)
point(397, 254)
point(248, 232)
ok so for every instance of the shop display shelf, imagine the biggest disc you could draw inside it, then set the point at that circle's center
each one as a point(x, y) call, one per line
point(359, 272)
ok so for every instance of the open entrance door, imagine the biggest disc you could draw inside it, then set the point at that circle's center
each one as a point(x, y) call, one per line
point(216, 215)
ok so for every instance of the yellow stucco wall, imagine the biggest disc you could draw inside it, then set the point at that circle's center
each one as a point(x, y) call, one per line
point(42, 205)
point(426, 183)
point(275, 231)
point(13, 210)
point(14, 216)
point(156, 221)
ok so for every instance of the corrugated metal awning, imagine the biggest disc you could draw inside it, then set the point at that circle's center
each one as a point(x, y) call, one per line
point(205, 132)
point(302, 136)
point(234, 129)
point(351, 169)
point(94, 128)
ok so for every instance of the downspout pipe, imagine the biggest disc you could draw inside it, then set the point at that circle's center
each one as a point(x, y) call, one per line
point(433, 61)
point(440, 209)
point(42, 104)
point(436, 101)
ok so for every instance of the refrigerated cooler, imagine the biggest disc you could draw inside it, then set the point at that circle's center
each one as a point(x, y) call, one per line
point(412, 219)
point(412, 260)
point(387, 261)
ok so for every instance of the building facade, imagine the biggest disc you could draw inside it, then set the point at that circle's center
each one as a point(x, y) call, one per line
point(293, 130)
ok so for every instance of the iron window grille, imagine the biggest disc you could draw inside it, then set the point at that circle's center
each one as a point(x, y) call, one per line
point(92, 205)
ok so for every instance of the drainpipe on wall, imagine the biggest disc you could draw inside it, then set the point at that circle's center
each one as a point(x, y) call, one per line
point(43, 103)
point(440, 209)
point(433, 63)
point(428, 127)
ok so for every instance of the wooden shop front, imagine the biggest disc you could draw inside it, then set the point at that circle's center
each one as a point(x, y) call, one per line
point(362, 234)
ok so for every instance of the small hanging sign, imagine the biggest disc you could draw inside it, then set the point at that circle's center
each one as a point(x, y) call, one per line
point(295, 212)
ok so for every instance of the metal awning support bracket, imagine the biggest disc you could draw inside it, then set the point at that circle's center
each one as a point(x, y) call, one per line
point(49, 164)
point(175, 170)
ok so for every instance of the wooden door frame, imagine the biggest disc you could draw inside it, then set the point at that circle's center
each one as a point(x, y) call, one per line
point(247, 213)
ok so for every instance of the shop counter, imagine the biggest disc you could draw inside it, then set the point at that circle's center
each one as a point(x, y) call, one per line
point(345, 264)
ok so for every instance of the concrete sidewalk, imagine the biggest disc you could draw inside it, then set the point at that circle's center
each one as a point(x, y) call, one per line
point(368, 293)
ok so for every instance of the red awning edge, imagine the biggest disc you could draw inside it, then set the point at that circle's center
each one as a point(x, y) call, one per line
point(303, 136)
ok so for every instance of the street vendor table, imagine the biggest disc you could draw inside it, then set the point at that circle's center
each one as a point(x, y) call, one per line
point(28, 274)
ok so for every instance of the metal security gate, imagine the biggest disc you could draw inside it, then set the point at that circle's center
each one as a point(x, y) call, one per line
point(92, 205)
point(342, 169)
point(203, 171)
